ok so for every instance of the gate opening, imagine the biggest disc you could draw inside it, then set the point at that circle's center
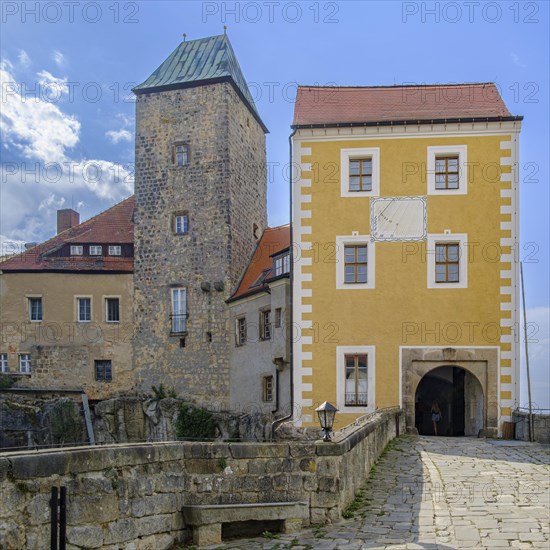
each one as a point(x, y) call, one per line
point(460, 398)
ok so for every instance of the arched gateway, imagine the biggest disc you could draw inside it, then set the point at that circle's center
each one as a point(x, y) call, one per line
point(459, 396)
point(464, 381)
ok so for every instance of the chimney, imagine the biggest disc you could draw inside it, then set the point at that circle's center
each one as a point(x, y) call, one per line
point(66, 219)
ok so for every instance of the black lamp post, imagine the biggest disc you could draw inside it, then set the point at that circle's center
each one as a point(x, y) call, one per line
point(326, 413)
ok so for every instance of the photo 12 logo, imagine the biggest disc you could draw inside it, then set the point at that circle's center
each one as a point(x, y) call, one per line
point(469, 12)
point(70, 12)
point(270, 12)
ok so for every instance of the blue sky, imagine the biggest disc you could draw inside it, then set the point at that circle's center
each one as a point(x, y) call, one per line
point(67, 72)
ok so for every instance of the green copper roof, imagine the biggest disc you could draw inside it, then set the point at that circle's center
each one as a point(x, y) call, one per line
point(198, 62)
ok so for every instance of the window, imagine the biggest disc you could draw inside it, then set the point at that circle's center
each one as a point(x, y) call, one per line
point(447, 262)
point(115, 250)
point(356, 380)
point(103, 370)
point(355, 259)
point(360, 174)
point(4, 362)
point(267, 388)
point(112, 309)
point(77, 250)
point(241, 331)
point(96, 250)
point(181, 224)
point(282, 264)
point(355, 262)
point(179, 310)
point(25, 363)
point(446, 172)
point(265, 325)
point(84, 313)
point(181, 154)
point(278, 317)
point(35, 309)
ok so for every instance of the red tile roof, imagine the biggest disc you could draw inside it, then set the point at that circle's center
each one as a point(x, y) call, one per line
point(113, 226)
point(273, 241)
point(325, 105)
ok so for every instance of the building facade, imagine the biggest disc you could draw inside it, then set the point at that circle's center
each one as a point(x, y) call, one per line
point(200, 188)
point(405, 288)
point(67, 307)
point(260, 314)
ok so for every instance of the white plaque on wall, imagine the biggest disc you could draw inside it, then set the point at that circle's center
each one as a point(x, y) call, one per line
point(398, 219)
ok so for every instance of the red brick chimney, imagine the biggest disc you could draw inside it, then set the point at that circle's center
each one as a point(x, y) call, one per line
point(66, 219)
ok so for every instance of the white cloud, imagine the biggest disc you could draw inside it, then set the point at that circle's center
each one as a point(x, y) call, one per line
point(8, 246)
point(37, 128)
point(24, 58)
point(47, 174)
point(119, 135)
point(52, 87)
point(516, 60)
point(59, 59)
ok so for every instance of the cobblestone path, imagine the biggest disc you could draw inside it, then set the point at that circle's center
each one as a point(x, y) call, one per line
point(440, 493)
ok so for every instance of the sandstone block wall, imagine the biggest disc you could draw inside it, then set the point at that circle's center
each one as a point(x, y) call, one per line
point(131, 496)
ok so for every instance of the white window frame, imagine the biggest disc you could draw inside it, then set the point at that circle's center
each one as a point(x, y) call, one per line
point(25, 365)
point(358, 153)
point(341, 352)
point(238, 332)
point(77, 309)
point(29, 298)
point(77, 250)
point(176, 307)
point(462, 240)
point(185, 224)
point(444, 150)
point(354, 240)
point(115, 250)
point(96, 250)
point(105, 300)
point(4, 363)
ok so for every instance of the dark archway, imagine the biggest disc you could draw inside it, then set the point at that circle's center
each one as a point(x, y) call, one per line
point(460, 398)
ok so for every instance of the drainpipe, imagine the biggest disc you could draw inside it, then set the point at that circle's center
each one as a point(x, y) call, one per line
point(276, 423)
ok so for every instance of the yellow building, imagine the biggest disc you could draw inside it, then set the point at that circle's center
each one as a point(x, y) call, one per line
point(405, 271)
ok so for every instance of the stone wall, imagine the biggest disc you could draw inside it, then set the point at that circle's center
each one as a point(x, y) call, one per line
point(131, 496)
point(223, 191)
point(541, 426)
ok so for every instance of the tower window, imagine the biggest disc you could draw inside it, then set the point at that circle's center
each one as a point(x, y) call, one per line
point(181, 224)
point(181, 154)
point(256, 231)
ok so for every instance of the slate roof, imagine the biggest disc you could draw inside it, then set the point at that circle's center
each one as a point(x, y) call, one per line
point(259, 272)
point(113, 226)
point(198, 62)
point(334, 106)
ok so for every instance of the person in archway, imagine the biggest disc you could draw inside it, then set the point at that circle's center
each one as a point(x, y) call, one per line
point(436, 415)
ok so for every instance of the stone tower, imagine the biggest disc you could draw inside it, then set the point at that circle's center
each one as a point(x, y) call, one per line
point(200, 190)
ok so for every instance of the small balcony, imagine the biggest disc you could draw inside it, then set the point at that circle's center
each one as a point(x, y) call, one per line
point(178, 324)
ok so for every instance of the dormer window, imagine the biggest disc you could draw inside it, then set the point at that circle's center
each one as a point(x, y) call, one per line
point(281, 264)
point(181, 154)
point(115, 250)
point(96, 250)
point(77, 250)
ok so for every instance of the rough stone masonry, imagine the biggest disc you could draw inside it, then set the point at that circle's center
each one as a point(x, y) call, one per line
point(222, 189)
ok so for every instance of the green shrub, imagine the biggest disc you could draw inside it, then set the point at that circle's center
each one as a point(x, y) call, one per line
point(6, 381)
point(195, 423)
